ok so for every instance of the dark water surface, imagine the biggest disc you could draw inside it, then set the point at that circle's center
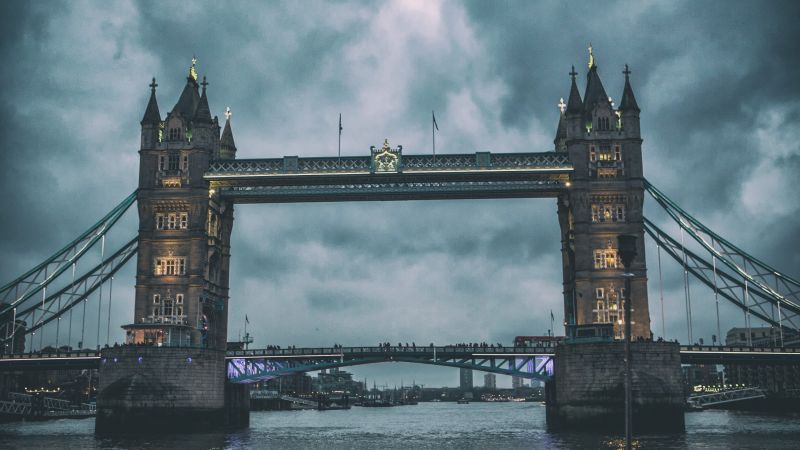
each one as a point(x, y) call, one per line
point(427, 425)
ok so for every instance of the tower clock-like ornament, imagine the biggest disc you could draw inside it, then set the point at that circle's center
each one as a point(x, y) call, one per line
point(386, 159)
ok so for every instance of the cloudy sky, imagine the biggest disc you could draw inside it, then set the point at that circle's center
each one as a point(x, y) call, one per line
point(718, 83)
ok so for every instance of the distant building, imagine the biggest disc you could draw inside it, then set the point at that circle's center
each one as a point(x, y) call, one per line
point(774, 378)
point(336, 380)
point(465, 380)
point(490, 381)
point(17, 343)
point(295, 384)
point(517, 382)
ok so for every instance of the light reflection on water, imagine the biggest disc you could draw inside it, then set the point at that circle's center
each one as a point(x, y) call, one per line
point(427, 425)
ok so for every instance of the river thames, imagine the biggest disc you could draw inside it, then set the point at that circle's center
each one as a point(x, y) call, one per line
point(427, 425)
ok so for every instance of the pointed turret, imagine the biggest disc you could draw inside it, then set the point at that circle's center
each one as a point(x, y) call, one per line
point(190, 97)
point(203, 113)
point(595, 93)
point(151, 114)
point(628, 102)
point(227, 148)
point(574, 103)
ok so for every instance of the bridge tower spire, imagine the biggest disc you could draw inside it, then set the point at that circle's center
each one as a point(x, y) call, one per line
point(604, 201)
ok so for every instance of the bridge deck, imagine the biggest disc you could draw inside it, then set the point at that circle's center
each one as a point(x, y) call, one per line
point(689, 355)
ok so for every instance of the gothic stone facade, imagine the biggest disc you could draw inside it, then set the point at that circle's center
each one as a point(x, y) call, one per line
point(184, 231)
point(604, 201)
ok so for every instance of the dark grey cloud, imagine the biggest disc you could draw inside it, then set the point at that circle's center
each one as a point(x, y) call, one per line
point(718, 83)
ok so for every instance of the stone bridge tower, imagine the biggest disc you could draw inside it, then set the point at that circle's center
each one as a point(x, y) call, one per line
point(184, 232)
point(604, 201)
point(173, 378)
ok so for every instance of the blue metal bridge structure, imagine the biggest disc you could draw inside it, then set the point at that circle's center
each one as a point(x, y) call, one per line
point(45, 297)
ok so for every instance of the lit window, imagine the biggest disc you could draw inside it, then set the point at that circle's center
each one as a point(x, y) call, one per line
point(172, 221)
point(156, 299)
point(606, 258)
point(605, 153)
point(179, 299)
point(608, 212)
point(599, 293)
point(170, 265)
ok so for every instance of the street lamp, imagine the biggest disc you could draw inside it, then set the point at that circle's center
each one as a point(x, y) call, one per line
point(626, 246)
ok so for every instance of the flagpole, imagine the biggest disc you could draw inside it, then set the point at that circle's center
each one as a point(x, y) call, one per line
point(245, 330)
point(433, 135)
point(339, 157)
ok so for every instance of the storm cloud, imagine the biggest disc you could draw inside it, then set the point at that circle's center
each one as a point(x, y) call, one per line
point(718, 83)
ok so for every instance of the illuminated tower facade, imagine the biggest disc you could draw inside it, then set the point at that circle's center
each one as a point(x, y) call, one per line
point(184, 231)
point(604, 201)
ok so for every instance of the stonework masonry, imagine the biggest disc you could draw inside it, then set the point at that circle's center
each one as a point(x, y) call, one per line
point(588, 388)
point(160, 388)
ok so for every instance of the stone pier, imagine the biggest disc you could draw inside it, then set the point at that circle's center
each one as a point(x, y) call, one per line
point(167, 390)
point(587, 391)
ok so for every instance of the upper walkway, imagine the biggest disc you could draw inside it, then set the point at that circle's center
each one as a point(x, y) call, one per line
point(390, 175)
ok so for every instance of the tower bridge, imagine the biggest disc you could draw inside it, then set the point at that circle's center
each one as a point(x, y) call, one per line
point(190, 180)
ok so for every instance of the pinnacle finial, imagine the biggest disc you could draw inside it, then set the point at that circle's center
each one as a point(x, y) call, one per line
point(193, 68)
point(626, 71)
point(153, 86)
point(204, 84)
point(228, 113)
point(573, 73)
point(562, 106)
point(591, 56)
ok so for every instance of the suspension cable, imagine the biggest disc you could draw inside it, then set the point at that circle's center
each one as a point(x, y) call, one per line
point(661, 292)
point(108, 324)
point(716, 296)
point(687, 299)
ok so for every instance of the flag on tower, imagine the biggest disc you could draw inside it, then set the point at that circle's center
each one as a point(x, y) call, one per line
point(246, 320)
point(552, 317)
point(340, 124)
point(434, 121)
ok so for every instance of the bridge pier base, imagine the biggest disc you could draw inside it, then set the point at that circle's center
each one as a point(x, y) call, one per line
point(167, 390)
point(587, 391)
